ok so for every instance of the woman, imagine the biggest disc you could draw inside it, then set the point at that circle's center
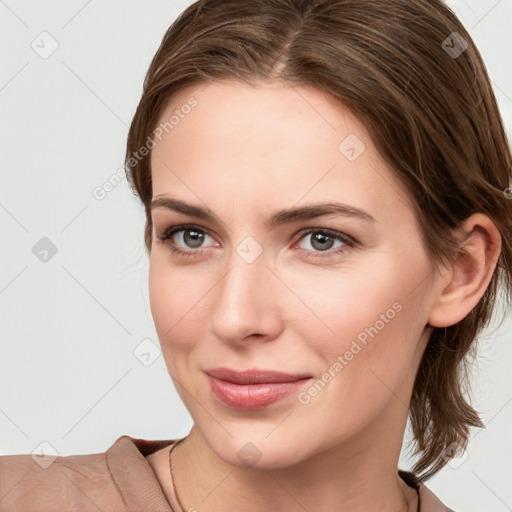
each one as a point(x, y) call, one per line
point(327, 195)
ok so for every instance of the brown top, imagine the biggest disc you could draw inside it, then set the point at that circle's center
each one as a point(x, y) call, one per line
point(119, 480)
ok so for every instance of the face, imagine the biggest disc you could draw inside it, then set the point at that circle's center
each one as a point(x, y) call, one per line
point(283, 242)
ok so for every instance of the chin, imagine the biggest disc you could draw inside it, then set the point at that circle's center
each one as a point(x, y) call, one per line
point(258, 450)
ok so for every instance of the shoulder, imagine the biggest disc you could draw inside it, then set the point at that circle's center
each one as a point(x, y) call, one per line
point(38, 483)
point(105, 481)
point(429, 502)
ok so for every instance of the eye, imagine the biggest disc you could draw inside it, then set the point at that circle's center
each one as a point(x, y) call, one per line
point(325, 241)
point(189, 240)
point(185, 236)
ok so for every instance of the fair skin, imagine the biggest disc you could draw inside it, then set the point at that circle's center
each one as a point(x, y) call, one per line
point(245, 153)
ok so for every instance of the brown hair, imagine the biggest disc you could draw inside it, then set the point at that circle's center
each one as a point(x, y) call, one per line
point(428, 105)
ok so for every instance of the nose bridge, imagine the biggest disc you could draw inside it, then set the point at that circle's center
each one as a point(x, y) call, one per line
point(245, 303)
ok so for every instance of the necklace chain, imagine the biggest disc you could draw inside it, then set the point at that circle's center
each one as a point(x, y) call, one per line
point(177, 443)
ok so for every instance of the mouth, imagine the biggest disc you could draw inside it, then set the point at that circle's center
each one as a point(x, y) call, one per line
point(253, 389)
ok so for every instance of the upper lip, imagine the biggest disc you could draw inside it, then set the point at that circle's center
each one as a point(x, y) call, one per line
point(254, 376)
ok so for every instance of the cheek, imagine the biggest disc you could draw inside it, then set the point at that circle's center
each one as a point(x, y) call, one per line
point(178, 298)
point(349, 303)
point(362, 328)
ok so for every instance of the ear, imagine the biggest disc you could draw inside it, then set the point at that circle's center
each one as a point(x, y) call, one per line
point(462, 286)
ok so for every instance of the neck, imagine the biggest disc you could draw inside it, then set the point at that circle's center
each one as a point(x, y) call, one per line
point(361, 475)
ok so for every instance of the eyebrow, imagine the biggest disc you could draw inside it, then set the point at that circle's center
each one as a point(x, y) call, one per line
point(281, 217)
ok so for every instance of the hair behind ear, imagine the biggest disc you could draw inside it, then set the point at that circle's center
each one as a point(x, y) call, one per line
point(440, 414)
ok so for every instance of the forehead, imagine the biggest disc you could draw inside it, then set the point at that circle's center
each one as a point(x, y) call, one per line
point(249, 141)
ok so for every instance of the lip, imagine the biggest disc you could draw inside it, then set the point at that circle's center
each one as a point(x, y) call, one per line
point(253, 389)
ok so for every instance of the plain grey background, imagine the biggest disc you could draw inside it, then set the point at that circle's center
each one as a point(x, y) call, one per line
point(80, 364)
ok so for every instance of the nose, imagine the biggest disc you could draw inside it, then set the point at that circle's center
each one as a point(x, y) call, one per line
point(247, 303)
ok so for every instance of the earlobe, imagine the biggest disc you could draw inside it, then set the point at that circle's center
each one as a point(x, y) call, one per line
point(463, 286)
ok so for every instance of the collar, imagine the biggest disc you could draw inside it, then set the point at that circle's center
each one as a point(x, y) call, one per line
point(133, 475)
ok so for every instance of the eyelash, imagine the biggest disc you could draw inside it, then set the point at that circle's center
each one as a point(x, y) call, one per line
point(336, 235)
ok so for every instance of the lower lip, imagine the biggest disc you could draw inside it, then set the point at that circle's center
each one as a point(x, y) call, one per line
point(252, 396)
